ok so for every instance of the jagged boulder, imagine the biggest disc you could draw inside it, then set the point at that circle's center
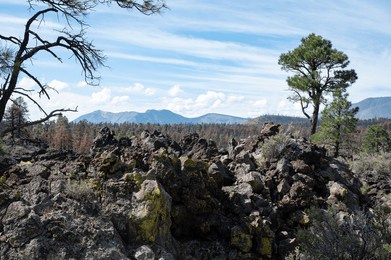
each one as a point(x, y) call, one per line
point(105, 138)
point(150, 216)
point(148, 197)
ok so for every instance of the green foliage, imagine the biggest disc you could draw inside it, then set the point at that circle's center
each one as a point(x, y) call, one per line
point(6, 58)
point(318, 69)
point(338, 123)
point(336, 235)
point(275, 146)
point(16, 116)
point(376, 140)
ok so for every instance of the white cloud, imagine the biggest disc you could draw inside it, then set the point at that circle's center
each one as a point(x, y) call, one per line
point(139, 88)
point(233, 99)
point(261, 103)
point(149, 91)
point(257, 107)
point(209, 99)
point(286, 107)
point(151, 59)
point(58, 85)
point(101, 97)
point(136, 88)
point(180, 105)
point(119, 100)
point(12, 20)
point(197, 47)
point(175, 91)
point(26, 83)
point(208, 102)
point(82, 84)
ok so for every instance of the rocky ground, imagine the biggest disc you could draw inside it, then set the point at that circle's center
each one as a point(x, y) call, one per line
point(148, 197)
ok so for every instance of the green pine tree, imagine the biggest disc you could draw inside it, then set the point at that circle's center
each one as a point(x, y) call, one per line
point(16, 116)
point(318, 69)
point(338, 122)
point(376, 140)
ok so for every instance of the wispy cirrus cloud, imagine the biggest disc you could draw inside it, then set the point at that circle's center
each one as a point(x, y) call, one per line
point(150, 59)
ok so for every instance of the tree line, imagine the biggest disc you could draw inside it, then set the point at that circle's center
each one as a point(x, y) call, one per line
point(369, 135)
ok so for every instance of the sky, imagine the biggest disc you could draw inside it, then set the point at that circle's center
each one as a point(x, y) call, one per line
point(202, 56)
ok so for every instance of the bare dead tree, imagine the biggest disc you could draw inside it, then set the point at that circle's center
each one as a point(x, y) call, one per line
point(16, 52)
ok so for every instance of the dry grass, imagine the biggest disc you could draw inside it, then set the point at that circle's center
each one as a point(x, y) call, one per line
point(80, 190)
point(379, 163)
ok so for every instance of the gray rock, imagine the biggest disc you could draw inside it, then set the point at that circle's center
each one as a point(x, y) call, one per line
point(283, 187)
point(144, 253)
point(253, 178)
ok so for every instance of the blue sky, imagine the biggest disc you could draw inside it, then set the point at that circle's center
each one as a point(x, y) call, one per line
point(203, 56)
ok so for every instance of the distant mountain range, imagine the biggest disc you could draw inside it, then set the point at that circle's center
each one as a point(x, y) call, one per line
point(377, 107)
point(369, 108)
point(157, 117)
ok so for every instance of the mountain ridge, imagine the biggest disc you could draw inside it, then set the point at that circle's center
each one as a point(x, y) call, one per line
point(369, 108)
point(374, 107)
point(154, 116)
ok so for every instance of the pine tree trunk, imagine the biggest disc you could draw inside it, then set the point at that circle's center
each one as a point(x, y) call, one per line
point(314, 119)
point(337, 141)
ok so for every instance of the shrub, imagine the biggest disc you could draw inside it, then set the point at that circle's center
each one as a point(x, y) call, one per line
point(275, 146)
point(380, 163)
point(336, 235)
point(80, 190)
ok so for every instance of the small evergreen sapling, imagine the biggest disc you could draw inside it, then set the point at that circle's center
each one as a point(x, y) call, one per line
point(338, 122)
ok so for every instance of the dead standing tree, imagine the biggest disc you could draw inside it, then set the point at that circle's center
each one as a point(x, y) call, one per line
point(17, 51)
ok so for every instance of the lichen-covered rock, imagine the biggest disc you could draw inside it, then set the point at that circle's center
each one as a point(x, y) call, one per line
point(339, 193)
point(241, 240)
point(150, 217)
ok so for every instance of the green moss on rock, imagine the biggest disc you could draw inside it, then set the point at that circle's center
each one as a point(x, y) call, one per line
point(266, 249)
point(150, 219)
point(190, 165)
point(241, 240)
point(135, 179)
point(3, 186)
point(111, 163)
